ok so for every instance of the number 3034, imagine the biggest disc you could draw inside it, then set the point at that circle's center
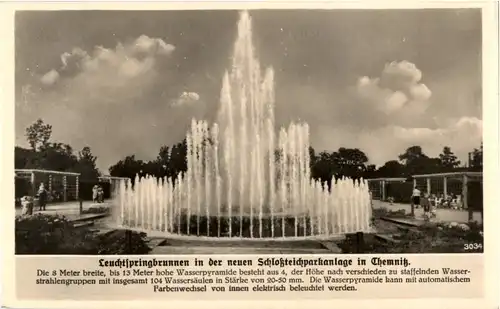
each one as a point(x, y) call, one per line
point(473, 246)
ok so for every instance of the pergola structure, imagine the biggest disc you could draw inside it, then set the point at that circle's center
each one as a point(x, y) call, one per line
point(55, 182)
point(442, 183)
point(113, 181)
point(464, 177)
point(378, 186)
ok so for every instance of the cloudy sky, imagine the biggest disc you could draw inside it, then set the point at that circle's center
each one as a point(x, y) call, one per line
point(128, 82)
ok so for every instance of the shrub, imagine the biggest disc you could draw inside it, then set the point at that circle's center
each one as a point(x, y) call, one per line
point(348, 245)
point(384, 212)
point(96, 210)
point(118, 242)
point(46, 234)
point(428, 238)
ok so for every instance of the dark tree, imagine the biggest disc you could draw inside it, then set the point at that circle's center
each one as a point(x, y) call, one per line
point(324, 167)
point(23, 157)
point(38, 134)
point(162, 163)
point(448, 160)
point(55, 156)
point(476, 162)
point(416, 162)
point(128, 167)
point(87, 165)
point(370, 172)
point(391, 169)
point(312, 157)
point(344, 162)
point(45, 154)
point(178, 159)
point(351, 162)
point(411, 155)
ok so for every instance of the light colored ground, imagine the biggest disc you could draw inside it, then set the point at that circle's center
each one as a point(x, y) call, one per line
point(71, 210)
point(444, 215)
point(68, 209)
point(234, 250)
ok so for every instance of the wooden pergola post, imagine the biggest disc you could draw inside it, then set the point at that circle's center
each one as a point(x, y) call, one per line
point(464, 190)
point(65, 188)
point(465, 195)
point(428, 185)
point(445, 186)
point(383, 190)
point(412, 213)
point(77, 188)
point(33, 184)
point(50, 183)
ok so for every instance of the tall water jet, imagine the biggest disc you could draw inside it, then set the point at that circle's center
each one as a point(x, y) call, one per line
point(243, 177)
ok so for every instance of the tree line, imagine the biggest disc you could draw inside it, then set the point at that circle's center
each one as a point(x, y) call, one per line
point(45, 154)
point(171, 160)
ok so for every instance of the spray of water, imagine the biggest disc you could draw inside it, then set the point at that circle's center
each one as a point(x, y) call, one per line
point(242, 175)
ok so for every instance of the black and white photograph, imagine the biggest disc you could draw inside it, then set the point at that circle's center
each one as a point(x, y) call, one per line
point(319, 131)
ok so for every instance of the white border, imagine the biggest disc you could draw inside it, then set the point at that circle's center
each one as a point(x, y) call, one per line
point(491, 157)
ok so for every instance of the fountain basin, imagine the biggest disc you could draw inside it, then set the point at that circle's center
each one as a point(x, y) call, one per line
point(242, 226)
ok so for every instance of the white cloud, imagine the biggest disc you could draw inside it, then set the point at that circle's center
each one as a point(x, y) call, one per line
point(401, 74)
point(50, 78)
point(147, 45)
point(397, 88)
point(387, 142)
point(113, 91)
point(186, 98)
point(392, 113)
point(395, 101)
point(420, 92)
point(73, 61)
point(110, 66)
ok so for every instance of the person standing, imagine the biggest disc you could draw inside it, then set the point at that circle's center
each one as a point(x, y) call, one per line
point(42, 197)
point(27, 205)
point(100, 195)
point(426, 204)
point(415, 197)
point(95, 193)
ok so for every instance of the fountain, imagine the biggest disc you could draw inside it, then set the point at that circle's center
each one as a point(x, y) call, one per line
point(244, 180)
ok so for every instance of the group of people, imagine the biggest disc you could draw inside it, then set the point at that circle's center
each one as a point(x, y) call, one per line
point(42, 197)
point(28, 202)
point(431, 202)
point(97, 194)
point(447, 201)
point(425, 202)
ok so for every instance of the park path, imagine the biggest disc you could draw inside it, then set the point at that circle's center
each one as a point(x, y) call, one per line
point(443, 215)
point(71, 210)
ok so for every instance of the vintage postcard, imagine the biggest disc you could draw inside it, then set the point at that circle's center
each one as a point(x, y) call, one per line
point(242, 153)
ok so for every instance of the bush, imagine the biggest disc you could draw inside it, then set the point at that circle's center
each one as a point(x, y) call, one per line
point(118, 242)
point(432, 238)
point(46, 234)
point(348, 245)
point(384, 212)
point(428, 238)
point(96, 210)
